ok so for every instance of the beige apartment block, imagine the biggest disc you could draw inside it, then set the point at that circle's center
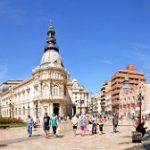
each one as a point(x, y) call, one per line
point(129, 104)
point(108, 100)
point(134, 77)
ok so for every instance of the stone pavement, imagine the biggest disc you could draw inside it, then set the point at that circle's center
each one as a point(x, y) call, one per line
point(16, 139)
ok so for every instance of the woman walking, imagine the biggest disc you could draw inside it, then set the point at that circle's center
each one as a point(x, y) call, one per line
point(89, 119)
point(75, 124)
point(83, 124)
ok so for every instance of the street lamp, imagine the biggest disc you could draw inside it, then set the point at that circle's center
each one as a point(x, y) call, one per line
point(140, 102)
point(140, 97)
point(10, 108)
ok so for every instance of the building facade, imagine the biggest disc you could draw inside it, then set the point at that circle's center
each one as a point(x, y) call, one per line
point(129, 100)
point(47, 90)
point(96, 104)
point(5, 86)
point(147, 98)
point(134, 77)
point(79, 97)
point(103, 97)
point(108, 100)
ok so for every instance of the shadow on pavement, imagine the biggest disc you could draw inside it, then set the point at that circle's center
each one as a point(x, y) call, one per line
point(124, 143)
point(127, 136)
point(12, 141)
point(145, 145)
point(139, 147)
point(3, 145)
point(59, 136)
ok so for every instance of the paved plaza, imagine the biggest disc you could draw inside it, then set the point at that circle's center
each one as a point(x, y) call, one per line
point(16, 139)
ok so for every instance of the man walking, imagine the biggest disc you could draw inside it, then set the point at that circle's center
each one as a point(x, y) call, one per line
point(115, 123)
point(46, 124)
point(29, 125)
point(94, 124)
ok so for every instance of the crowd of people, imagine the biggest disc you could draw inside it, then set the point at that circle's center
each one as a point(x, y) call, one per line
point(85, 123)
point(91, 124)
point(47, 123)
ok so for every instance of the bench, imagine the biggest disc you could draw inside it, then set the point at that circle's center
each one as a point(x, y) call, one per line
point(136, 137)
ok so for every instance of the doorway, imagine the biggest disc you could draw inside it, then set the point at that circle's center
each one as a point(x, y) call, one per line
point(73, 110)
point(56, 108)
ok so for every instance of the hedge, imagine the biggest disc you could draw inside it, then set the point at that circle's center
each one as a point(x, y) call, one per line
point(10, 120)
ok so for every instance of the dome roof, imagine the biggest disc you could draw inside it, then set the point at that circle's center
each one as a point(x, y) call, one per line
point(51, 55)
point(51, 58)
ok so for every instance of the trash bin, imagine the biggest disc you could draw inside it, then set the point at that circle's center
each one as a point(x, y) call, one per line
point(136, 137)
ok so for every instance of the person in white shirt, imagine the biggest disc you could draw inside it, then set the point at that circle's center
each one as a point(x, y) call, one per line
point(75, 122)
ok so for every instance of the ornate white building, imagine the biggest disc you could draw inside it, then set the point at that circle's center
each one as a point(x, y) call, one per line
point(47, 90)
point(79, 97)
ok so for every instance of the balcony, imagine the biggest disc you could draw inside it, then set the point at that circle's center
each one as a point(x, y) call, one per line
point(115, 102)
point(51, 98)
point(115, 92)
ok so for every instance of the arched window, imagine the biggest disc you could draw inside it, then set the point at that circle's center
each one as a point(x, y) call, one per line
point(45, 90)
point(56, 90)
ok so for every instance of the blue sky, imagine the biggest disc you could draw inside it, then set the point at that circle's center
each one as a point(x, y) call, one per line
point(95, 37)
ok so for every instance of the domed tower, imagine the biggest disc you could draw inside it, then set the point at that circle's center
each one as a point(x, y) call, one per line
point(51, 55)
point(50, 79)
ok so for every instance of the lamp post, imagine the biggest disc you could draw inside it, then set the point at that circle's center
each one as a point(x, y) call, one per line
point(10, 108)
point(140, 97)
point(140, 102)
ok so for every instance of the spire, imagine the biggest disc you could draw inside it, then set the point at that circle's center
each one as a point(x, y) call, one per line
point(51, 41)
